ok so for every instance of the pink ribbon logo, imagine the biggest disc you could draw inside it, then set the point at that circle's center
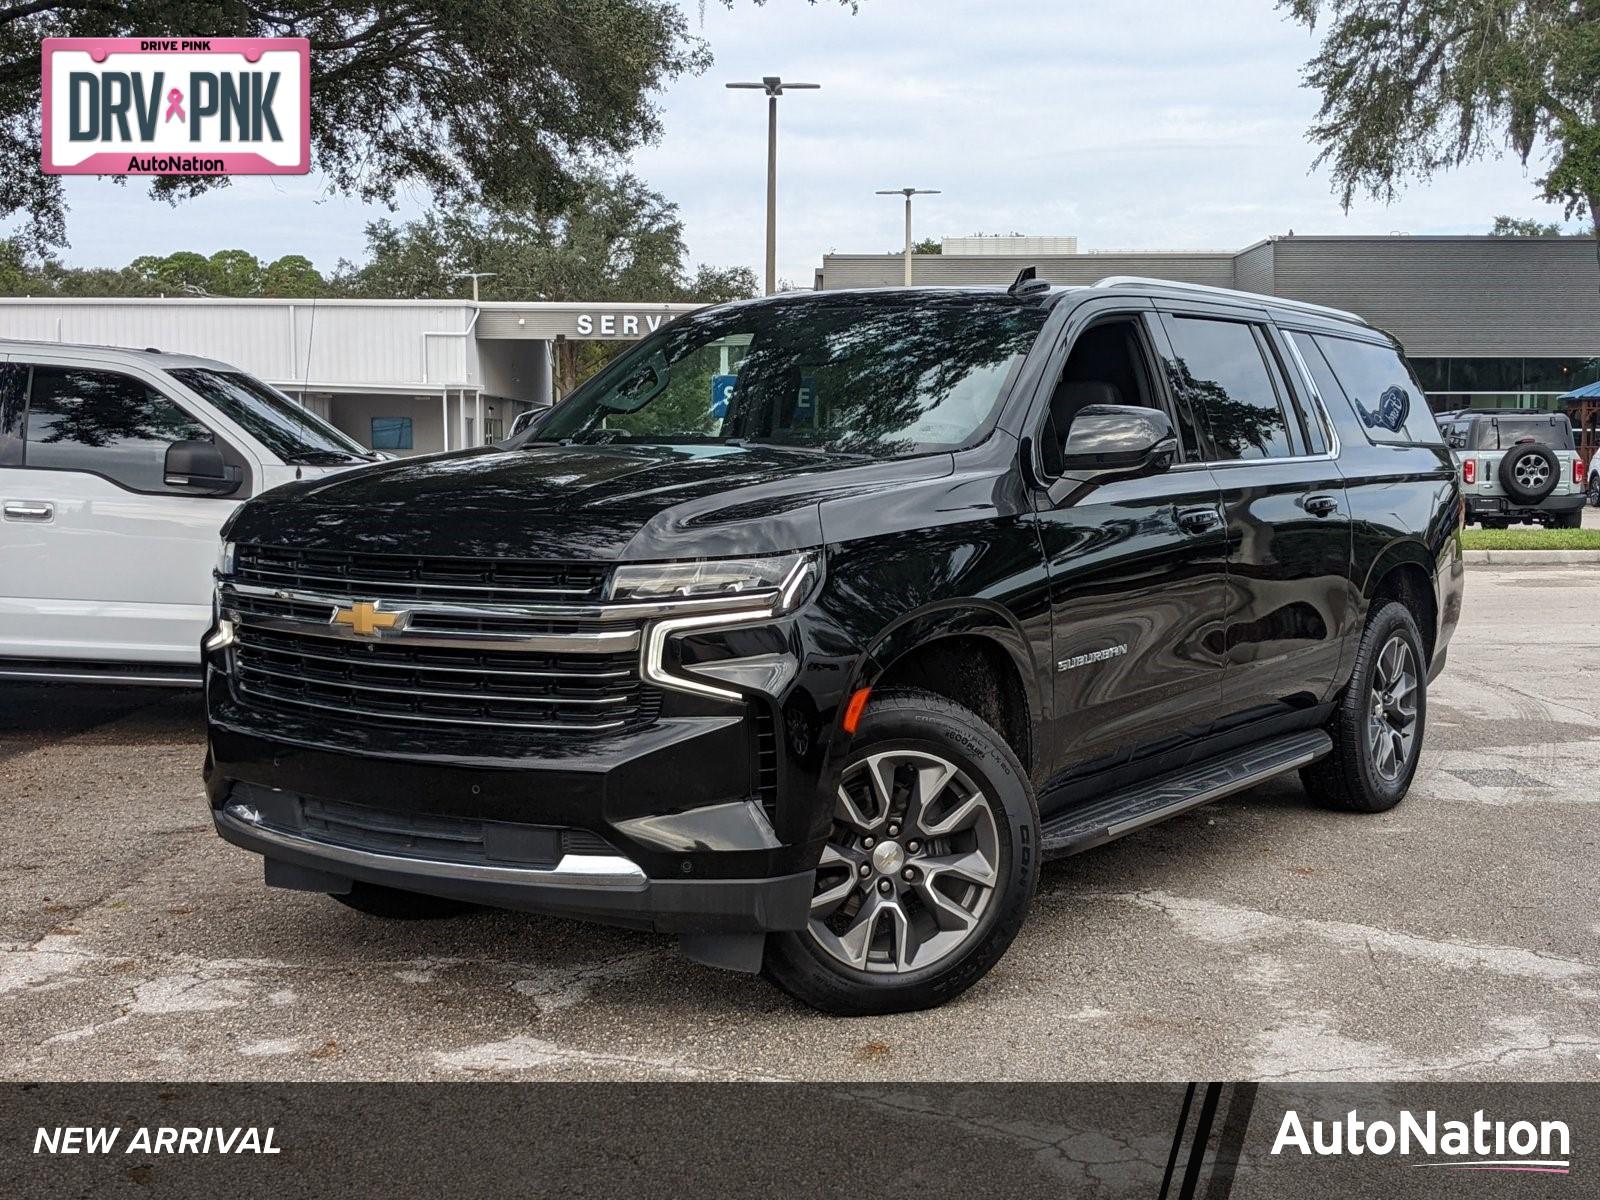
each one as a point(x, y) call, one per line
point(175, 105)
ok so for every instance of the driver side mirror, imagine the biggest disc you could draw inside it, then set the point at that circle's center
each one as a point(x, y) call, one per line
point(1121, 438)
point(198, 463)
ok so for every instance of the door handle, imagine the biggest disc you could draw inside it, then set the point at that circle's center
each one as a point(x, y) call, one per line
point(1199, 519)
point(29, 511)
point(1320, 506)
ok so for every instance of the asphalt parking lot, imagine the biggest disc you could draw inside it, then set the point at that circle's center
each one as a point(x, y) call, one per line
point(1457, 937)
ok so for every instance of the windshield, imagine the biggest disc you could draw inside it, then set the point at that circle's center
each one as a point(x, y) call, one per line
point(277, 422)
point(881, 374)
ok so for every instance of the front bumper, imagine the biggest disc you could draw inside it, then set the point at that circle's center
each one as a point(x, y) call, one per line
point(655, 830)
point(596, 887)
point(1501, 507)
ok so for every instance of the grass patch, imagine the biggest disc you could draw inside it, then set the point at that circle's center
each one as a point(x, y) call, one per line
point(1530, 539)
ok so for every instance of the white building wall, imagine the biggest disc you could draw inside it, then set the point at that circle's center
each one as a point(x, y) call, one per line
point(1008, 244)
point(353, 414)
point(294, 344)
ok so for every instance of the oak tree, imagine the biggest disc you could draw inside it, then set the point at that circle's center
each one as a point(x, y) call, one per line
point(1414, 87)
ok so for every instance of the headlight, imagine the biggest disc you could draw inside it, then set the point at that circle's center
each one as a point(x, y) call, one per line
point(789, 575)
point(225, 558)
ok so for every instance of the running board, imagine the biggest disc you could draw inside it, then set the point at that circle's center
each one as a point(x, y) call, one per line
point(1093, 824)
point(66, 670)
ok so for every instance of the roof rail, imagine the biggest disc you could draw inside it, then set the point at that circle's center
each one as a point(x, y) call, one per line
point(1111, 281)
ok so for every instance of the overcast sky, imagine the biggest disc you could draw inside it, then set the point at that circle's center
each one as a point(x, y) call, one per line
point(1133, 124)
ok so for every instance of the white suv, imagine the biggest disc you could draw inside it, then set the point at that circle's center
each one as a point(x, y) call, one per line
point(1516, 466)
point(117, 470)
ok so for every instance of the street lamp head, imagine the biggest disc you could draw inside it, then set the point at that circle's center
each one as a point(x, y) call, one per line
point(909, 192)
point(773, 85)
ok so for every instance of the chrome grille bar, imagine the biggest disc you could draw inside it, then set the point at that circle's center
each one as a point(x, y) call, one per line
point(250, 667)
point(347, 711)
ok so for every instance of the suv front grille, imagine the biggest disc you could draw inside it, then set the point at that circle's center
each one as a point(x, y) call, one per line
point(381, 682)
point(423, 579)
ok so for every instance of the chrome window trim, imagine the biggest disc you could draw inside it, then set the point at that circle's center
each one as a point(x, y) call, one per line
point(610, 872)
point(1313, 391)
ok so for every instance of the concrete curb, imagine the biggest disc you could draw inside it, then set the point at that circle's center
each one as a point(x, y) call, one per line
point(1531, 558)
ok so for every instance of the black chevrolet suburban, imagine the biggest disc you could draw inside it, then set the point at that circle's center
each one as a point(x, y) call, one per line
point(812, 625)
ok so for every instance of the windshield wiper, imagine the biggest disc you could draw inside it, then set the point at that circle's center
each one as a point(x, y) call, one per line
point(754, 444)
point(315, 457)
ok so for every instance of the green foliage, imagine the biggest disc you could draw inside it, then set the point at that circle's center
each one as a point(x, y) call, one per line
point(1411, 89)
point(618, 240)
point(1530, 539)
point(292, 276)
point(1525, 227)
point(505, 102)
point(927, 246)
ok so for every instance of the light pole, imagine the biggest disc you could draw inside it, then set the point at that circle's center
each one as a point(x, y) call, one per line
point(475, 276)
point(908, 193)
point(774, 87)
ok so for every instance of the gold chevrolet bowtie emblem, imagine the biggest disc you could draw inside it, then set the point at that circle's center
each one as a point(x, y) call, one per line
point(366, 619)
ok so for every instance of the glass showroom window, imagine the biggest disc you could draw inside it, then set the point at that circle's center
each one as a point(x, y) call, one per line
point(391, 433)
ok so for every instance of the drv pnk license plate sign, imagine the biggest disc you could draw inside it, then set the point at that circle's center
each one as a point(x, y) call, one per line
point(177, 106)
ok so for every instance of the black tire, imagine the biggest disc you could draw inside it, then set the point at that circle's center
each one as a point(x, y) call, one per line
point(912, 722)
point(392, 904)
point(1594, 490)
point(1569, 520)
point(1529, 473)
point(1350, 778)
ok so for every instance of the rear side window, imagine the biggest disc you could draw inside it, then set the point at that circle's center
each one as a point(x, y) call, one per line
point(105, 424)
point(1379, 386)
point(1220, 370)
point(13, 402)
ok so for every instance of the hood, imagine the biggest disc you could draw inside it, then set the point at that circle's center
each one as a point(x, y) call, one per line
point(575, 503)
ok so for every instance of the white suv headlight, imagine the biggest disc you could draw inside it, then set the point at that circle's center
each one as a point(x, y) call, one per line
point(225, 555)
point(789, 575)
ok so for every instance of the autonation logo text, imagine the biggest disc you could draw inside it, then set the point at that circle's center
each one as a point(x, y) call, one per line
point(1480, 1144)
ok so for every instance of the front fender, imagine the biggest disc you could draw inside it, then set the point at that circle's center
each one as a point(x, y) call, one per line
point(922, 627)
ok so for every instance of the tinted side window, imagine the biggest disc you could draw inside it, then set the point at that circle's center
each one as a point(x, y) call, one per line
point(104, 423)
point(1313, 421)
point(1219, 369)
point(13, 400)
point(1379, 386)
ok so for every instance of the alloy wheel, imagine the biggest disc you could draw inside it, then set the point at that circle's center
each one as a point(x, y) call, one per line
point(1392, 719)
point(1531, 472)
point(911, 866)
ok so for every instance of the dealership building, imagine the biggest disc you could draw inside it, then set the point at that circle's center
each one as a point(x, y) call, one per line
point(403, 376)
point(1486, 321)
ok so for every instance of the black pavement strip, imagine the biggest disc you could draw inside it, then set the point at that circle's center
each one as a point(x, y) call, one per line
point(1161, 1141)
